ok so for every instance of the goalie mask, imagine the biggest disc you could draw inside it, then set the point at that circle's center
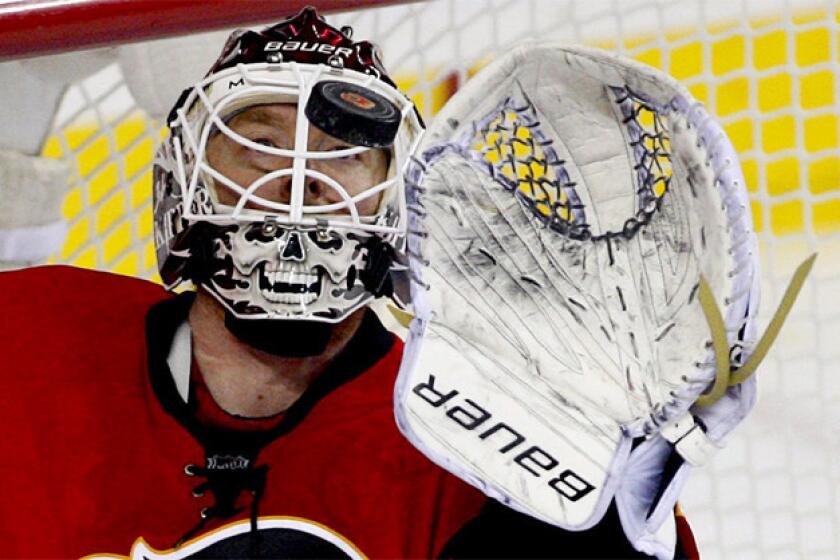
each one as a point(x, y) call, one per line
point(278, 188)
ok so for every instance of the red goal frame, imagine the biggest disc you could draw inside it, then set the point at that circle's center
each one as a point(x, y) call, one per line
point(38, 27)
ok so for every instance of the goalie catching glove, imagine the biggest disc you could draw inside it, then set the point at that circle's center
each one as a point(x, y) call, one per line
point(569, 210)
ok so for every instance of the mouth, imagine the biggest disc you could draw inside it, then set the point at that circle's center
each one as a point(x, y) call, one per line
point(289, 283)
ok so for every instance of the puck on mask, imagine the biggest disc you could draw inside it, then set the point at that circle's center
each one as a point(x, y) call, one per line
point(353, 113)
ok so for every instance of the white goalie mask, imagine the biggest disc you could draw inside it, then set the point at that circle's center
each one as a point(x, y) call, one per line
point(279, 187)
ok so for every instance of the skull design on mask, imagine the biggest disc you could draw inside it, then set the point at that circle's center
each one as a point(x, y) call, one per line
point(271, 271)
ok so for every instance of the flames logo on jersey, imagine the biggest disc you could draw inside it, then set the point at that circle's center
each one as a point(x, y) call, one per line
point(280, 537)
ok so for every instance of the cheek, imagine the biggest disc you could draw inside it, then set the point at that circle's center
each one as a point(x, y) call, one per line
point(369, 176)
point(369, 205)
point(221, 158)
point(379, 173)
point(216, 154)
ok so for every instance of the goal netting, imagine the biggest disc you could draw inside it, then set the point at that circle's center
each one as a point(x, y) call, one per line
point(770, 71)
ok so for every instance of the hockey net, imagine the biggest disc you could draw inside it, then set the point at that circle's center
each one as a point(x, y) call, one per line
point(769, 70)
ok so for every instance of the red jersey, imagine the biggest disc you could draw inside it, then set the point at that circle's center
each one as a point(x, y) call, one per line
point(102, 456)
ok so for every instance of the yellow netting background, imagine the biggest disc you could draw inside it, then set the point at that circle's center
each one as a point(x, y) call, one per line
point(772, 83)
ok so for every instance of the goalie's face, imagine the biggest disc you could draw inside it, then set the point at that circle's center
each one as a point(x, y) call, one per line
point(273, 126)
point(280, 188)
point(271, 269)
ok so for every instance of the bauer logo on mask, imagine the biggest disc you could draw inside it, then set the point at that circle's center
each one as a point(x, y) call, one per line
point(323, 48)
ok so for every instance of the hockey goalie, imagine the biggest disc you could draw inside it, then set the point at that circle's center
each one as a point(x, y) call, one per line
point(570, 243)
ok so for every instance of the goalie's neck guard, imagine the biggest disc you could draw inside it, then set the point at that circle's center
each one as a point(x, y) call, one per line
point(294, 241)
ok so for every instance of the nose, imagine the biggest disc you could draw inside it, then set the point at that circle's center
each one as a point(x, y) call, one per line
point(315, 192)
point(291, 247)
point(276, 190)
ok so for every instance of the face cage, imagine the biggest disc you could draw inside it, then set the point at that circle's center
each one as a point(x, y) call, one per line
point(263, 81)
point(251, 84)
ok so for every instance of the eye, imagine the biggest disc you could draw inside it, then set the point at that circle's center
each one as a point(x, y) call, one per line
point(259, 159)
point(263, 142)
point(350, 157)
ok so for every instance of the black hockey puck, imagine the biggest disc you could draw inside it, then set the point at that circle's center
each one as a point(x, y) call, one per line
point(353, 113)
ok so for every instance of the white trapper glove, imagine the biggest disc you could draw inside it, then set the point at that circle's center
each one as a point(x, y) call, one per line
point(579, 230)
point(32, 188)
